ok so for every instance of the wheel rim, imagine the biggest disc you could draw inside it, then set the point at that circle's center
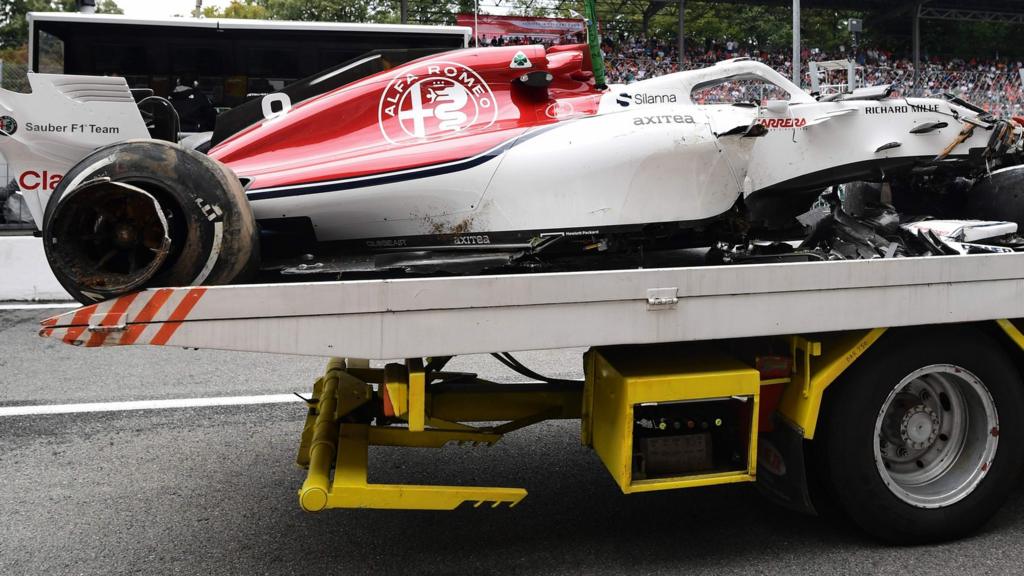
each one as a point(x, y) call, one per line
point(936, 435)
point(108, 237)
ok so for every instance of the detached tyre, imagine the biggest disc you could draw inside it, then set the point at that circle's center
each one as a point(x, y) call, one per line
point(148, 213)
point(923, 442)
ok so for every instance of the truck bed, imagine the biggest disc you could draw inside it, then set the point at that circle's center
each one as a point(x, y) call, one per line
point(405, 318)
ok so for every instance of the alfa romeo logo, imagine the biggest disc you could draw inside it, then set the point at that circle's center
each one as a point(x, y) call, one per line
point(8, 126)
point(435, 100)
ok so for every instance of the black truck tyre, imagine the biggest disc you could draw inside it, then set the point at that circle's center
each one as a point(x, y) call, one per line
point(922, 436)
point(148, 213)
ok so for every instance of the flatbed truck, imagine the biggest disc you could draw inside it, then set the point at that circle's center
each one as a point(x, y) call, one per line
point(887, 391)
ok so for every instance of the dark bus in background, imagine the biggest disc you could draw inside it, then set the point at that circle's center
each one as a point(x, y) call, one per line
point(229, 60)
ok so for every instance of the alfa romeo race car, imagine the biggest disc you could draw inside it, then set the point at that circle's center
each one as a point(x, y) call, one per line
point(501, 160)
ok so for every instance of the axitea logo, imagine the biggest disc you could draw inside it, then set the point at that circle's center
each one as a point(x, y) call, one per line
point(435, 100)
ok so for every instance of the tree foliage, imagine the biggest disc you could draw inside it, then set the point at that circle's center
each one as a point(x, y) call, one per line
point(14, 26)
point(425, 11)
point(248, 9)
point(108, 7)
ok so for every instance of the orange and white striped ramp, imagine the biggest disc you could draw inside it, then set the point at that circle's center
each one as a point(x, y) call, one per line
point(421, 317)
point(148, 317)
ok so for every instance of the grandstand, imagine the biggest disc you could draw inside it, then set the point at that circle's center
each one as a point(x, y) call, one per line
point(992, 84)
point(995, 85)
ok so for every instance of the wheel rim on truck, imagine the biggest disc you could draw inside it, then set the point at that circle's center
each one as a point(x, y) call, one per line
point(937, 435)
point(912, 447)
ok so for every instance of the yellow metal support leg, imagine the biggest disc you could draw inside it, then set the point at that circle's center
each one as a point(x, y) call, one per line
point(307, 430)
point(817, 364)
point(417, 395)
point(313, 496)
point(328, 442)
point(379, 436)
point(395, 391)
point(350, 488)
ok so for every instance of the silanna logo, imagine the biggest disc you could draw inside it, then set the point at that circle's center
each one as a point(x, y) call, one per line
point(435, 100)
point(8, 126)
point(642, 98)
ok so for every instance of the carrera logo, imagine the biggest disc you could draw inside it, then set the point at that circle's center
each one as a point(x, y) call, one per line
point(783, 122)
point(435, 100)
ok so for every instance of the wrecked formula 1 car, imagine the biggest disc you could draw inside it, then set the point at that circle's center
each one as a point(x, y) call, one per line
point(514, 159)
point(851, 222)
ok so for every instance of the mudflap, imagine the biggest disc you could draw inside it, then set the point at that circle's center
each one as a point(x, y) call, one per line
point(781, 467)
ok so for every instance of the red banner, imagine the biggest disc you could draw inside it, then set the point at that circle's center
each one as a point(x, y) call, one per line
point(522, 26)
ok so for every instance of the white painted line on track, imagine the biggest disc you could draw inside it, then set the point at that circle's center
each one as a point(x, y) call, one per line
point(147, 405)
point(39, 306)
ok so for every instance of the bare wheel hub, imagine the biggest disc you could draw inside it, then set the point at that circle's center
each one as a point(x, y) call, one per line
point(109, 237)
point(125, 236)
point(937, 434)
point(919, 427)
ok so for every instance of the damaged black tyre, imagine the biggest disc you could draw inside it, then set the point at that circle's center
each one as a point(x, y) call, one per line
point(144, 214)
point(922, 443)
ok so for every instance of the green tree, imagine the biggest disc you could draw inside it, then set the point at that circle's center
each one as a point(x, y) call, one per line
point(14, 26)
point(108, 7)
point(329, 10)
point(433, 12)
point(528, 8)
point(247, 9)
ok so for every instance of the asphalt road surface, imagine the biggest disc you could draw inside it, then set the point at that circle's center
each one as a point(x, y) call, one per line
point(212, 490)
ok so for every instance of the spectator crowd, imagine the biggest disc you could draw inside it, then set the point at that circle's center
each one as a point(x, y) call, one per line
point(994, 84)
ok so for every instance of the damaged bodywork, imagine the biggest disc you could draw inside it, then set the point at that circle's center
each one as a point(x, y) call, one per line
point(463, 163)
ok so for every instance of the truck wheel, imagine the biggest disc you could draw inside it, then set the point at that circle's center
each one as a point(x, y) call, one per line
point(148, 213)
point(922, 439)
